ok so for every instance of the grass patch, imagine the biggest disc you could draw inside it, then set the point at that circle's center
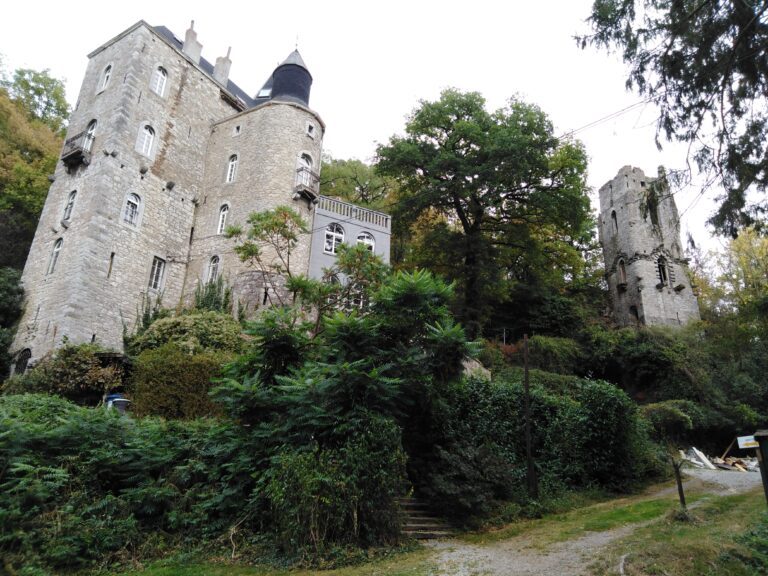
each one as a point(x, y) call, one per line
point(414, 563)
point(706, 547)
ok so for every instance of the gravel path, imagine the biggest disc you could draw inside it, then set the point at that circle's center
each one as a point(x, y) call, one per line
point(516, 557)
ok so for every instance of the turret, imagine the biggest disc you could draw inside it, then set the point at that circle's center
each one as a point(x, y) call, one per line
point(291, 81)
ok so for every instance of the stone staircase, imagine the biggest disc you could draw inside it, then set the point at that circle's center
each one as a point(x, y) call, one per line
point(420, 523)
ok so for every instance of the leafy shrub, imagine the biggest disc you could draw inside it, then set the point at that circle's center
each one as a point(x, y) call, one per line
point(562, 355)
point(169, 382)
point(73, 372)
point(192, 332)
point(319, 497)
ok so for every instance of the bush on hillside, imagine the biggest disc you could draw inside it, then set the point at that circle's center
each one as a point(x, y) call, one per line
point(172, 383)
point(193, 332)
point(74, 372)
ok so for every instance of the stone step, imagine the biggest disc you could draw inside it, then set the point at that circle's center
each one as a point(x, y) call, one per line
point(420, 522)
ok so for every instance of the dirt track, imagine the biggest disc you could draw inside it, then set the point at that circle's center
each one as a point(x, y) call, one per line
point(515, 556)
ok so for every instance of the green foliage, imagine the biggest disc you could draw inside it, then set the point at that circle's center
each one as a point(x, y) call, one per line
point(344, 495)
point(355, 181)
point(588, 434)
point(516, 194)
point(215, 296)
point(562, 355)
point(86, 487)
point(11, 294)
point(29, 150)
point(704, 65)
point(73, 372)
point(170, 382)
point(193, 332)
point(41, 96)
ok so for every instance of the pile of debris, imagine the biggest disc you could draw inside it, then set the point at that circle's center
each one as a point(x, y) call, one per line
point(696, 457)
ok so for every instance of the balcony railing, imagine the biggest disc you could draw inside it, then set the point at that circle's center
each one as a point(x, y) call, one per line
point(307, 183)
point(77, 150)
point(354, 212)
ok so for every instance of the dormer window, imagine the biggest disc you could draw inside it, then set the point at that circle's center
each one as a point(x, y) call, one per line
point(264, 93)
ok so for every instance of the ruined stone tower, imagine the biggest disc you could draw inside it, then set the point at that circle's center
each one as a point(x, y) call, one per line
point(163, 153)
point(640, 234)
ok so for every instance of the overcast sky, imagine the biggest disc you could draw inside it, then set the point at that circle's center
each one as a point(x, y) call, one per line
point(372, 63)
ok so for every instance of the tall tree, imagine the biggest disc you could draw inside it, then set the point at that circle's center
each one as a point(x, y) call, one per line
point(511, 194)
point(41, 96)
point(29, 150)
point(705, 64)
point(354, 181)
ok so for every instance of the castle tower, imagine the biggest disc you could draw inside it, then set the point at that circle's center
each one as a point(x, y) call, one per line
point(639, 231)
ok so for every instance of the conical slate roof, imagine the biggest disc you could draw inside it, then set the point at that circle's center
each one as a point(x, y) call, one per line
point(295, 58)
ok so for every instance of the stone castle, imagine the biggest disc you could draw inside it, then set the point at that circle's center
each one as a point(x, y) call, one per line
point(163, 153)
point(640, 234)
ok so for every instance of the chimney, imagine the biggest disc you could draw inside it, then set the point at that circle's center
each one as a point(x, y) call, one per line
point(192, 47)
point(221, 69)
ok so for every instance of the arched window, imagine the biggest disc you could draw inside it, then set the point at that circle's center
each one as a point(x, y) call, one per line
point(622, 272)
point(132, 210)
point(55, 255)
point(105, 76)
point(232, 168)
point(22, 361)
point(90, 136)
point(70, 204)
point(146, 140)
point(213, 269)
point(615, 222)
point(663, 272)
point(366, 239)
point(223, 212)
point(159, 79)
point(304, 171)
point(334, 237)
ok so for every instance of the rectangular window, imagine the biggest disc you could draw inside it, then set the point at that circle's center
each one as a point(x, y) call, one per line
point(157, 273)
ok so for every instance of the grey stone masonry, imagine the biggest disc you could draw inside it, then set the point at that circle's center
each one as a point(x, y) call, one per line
point(639, 229)
point(134, 213)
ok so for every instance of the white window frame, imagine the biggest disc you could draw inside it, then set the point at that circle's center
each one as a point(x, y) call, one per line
point(131, 216)
point(145, 142)
point(106, 75)
point(159, 81)
point(90, 136)
point(232, 168)
point(54, 256)
point(304, 170)
point(366, 239)
point(334, 237)
point(213, 268)
point(223, 213)
point(69, 205)
point(157, 274)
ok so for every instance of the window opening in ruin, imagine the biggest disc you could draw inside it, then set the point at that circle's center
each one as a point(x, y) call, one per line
point(132, 208)
point(70, 204)
point(366, 239)
point(213, 269)
point(334, 237)
point(232, 168)
point(159, 79)
point(90, 136)
point(106, 75)
point(633, 311)
point(223, 212)
point(236, 131)
point(146, 140)
point(22, 361)
point(663, 272)
point(55, 255)
point(266, 295)
point(615, 222)
point(111, 264)
point(157, 273)
point(622, 273)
